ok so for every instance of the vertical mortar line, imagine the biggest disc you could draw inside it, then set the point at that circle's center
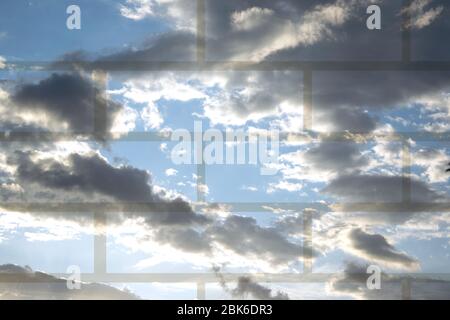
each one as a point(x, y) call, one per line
point(406, 172)
point(307, 100)
point(201, 291)
point(201, 181)
point(100, 78)
point(406, 31)
point(200, 162)
point(201, 31)
point(100, 243)
point(201, 171)
point(307, 242)
point(406, 289)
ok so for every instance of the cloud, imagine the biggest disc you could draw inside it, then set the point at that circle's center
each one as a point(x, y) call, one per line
point(176, 46)
point(379, 198)
point(284, 186)
point(434, 162)
point(324, 161)
point(292, 224)
point(421, 17)
point(67, 102)
point(296, 31)
point(164, 219)
point(91, 175)
point(2, 59)
point(245, 237)
point(171, 172)
point(375, 247)
point(27, 284)
point(340, 119)
point(180, 13)
point(137, 9)
point(250, 18)
point(378, 188)
point(353, 283)
point(86, 174)
point(253, 31)
point(152, 117)
point(247, 287)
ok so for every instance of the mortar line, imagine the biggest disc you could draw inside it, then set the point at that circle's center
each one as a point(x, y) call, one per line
point(406, 172)
point(201, 291)
point(307, 101)
point(406, 31)
point(100, 244)
point(201, 31)
point(307, 242)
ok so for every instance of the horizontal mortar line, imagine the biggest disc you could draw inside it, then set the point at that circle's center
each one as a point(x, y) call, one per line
point(152, 207)
point(140, 66)
point(213, 278)
point(285, 136)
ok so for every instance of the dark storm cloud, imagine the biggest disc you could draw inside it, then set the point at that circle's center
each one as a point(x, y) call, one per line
point(354, 283)
point(241, 235)
point(341, 119)
point(247, 287)
point(185, 239)
point(34, 285)
point(87, 174)
point(336, 157)
point(244, 236)
point(69, 99)
point(379, 198)
point(376, 90)
point(379, 188)
point(175, 46)
point(293, 224)
point(339, 98)
point(91, 175)
point(172, 46)
point(375, 247)
point(171, 221)
point(316, 30)
point(339, 29)
point(430, 25)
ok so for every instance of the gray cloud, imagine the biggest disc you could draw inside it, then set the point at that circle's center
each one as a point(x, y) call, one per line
point(67, 99)
point(376, 248)
point(175, 46)
point(341, 119)
point(292, 224)
point(26, 284)
point(340, 98)
point(378, 188)
point(247, 287)
point(91, 175)
point(306, 30)
point(353, 283)
point(338, 157)
point(379, 198)
point(171, 221)
point(244, 236)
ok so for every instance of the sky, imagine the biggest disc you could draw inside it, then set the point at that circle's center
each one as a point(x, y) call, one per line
point(370, 171)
